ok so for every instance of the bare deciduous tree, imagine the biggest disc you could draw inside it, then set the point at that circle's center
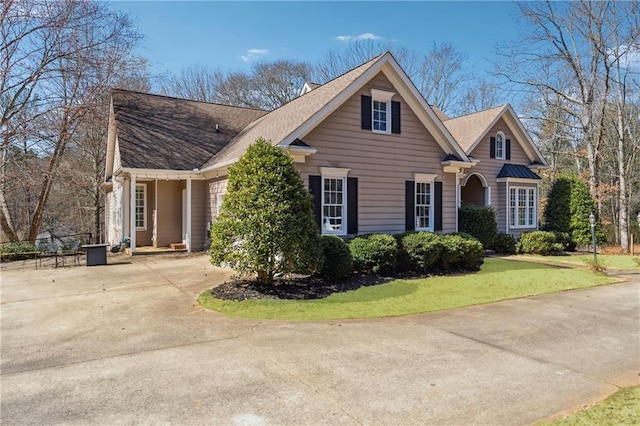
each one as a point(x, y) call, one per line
point(267, 86)
point(58, 59)
point(442, 75)
point(572, 52)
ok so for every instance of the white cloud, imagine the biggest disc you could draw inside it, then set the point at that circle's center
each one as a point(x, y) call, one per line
point(629, 56)
point(363, 36)
point(252, 54)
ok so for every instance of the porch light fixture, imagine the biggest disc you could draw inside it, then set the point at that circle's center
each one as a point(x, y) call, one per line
point(592, 221)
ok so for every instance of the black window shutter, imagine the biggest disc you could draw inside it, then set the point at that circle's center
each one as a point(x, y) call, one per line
point(352, 205)
point(395, 117)
point(410, 205)
point(366, 112)
point(315, 187)
point(492, 147)
point(507, 149)
point(437, 206)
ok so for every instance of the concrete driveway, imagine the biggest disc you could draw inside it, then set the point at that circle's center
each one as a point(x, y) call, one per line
point(126, 343)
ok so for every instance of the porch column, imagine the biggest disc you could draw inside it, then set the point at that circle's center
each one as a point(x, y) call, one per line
point(188, 236)
point(132, 215)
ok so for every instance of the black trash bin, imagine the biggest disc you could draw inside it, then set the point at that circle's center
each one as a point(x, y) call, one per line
point(96, 254)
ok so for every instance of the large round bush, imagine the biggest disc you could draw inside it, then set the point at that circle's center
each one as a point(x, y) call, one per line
point(538, 242)
point(504, 244)
point(460, 254)
point(375, 253)
point(422, 251)
point(337, 259)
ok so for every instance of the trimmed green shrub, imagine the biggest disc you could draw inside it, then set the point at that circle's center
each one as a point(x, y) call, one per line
point(375, 253)
point(266, 224)
point(538, 242)
point(422, 250)
point(402, 259)
point(568, 207)
point(480, 222)
point(504, 244)
point(17, 251)
point(564, 239)
point(337, 259)
point(460, 254)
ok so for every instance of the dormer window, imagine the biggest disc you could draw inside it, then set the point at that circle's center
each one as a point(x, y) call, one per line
point(500, 146)
point(380, 117)
point(379, 113)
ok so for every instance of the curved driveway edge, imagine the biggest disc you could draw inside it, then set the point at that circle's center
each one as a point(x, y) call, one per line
point(125, 343)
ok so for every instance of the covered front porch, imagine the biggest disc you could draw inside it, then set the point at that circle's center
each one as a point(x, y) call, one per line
point(475, 191)
point(163, 212)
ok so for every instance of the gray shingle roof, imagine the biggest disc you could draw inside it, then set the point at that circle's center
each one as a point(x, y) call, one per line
point(158, 132)
point(467, 129)
point(517, 171)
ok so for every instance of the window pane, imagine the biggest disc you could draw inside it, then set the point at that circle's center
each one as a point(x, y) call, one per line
point(139, 210)
point(333, 198)
point(423, 205)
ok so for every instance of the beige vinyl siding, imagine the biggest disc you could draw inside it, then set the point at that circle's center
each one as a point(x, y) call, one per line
point(481, 151)
point(215, 187)
point(499, 204)
point(381, 162)
point(145, 238)
point(198, 215)
point(169, 214)
point(490, 167)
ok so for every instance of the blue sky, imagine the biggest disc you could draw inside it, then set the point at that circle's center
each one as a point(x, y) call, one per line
point(231, 35)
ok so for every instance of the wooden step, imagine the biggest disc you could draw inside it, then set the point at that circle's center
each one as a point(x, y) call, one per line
point(178, 246)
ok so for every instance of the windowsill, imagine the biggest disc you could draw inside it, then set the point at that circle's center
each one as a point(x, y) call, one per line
point(381, 132)
point(141, 229)
point(329, 231)
point(424, 229)
point(522, 227)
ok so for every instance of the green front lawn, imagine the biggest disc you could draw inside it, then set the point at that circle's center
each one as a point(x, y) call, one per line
point(613, 261)
point(621, 408)
point(499, 279)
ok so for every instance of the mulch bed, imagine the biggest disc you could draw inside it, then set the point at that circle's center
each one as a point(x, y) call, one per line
point(297, 288)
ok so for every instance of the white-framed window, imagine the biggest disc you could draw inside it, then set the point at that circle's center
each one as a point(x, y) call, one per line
point(381, 111)
point(219, 201)
point(141, 206)
point(500, 146)
point(380, 116)
point(334, 201)
point(424, 201)
point(522, 207)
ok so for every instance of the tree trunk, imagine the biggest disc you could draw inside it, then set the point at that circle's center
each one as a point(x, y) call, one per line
point(622, 182)
point(47, 184)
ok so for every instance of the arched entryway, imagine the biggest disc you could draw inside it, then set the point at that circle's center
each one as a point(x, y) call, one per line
point(474, 191)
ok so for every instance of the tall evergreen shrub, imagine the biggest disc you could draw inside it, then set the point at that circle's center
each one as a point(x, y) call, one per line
point(479, 222)
point(266, 224)
point(569, 205)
